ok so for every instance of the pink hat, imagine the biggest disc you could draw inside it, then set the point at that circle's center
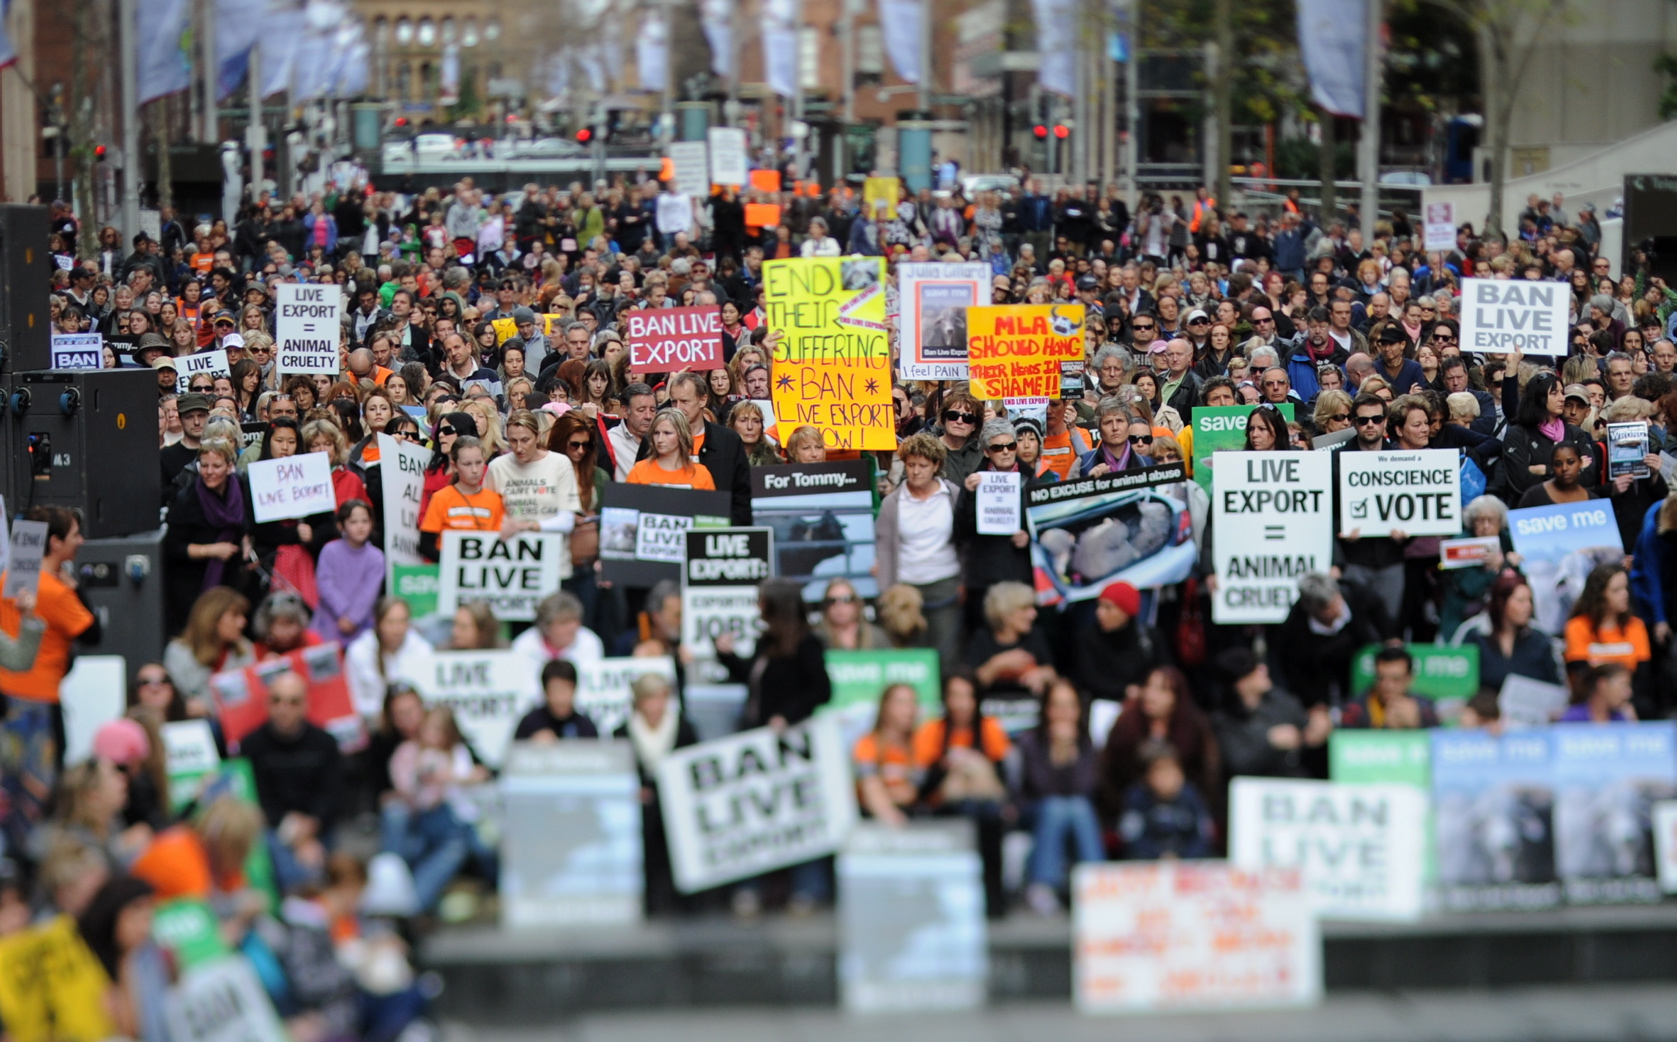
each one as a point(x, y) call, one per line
point(557, 408)
point(1157, 347)
point(122, 741)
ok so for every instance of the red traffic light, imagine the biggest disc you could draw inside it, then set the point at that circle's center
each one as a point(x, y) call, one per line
point(1040, 131)
point(585, 135)
point(401, 121)
point(98, 153)
point(1061, 130)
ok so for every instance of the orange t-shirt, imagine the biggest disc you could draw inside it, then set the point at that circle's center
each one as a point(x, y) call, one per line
point(177, 865)
point(1060, 452)
point(1628, 647)
point(698, 444)
point(648, 472)
point(928, 741)
point(452, 509)
point(891, 764)
point(66, 617)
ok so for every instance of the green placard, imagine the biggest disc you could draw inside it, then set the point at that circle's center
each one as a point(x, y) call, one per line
point(417, 584)
point(1439, 672)
point(1221, 427)
point(235, 778)
point(188, 929)
point(859, 677)
point(1395, 758)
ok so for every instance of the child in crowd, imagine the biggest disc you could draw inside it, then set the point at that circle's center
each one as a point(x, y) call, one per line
point(556, 718)
point(1164, 815)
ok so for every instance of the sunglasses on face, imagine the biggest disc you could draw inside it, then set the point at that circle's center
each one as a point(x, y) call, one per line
point(1339, 417)
point(152, 681)
point(1139, 328)
point(279, 701)
point(1005, 446)
point(951, 416)
point(1141, 439)
point(578, 446)
point(843, 598)
point(1364, 420)
point(445, 432)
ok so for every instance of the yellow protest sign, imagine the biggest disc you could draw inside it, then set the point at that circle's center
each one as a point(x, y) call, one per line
point(52, 989)
point(832, 367)
point(550, 326)
point(505, 329)
point(879, 188)
point(1015, 350)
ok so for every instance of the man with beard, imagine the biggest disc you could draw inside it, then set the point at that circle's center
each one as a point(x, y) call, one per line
point(1316, 347)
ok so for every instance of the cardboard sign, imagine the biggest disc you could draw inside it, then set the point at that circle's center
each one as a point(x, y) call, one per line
point(728, 156)
point(643, 529)
point(1416, 493)
point(489, 691)
point(222, 1001)
point(307, 327)
point(1439, 227)
point(690, 163)
point(765, 180)
point(296, 486)
point(997, 502)
point(762, 215)
point(832, 367)
point(1467, 552)
point(668, 339)
point(1627, 449)
point(1221, 428)
point(1014, 351)
point(52, 989)
point(27, 546)
point(719, 581)
point(932, 325)
point(190, 757)
point(603, 690)
point(879, 190)
point(1499, 316)
point(1359, 847)
point(1188, 935)
point(1272, 523)
point(402, 471)
point(1493, 808)
point(1607, 778)
point(756, 801)
point(241, 695)
point(188, 366)
point(1526, 703)
point(823, 520)
point(510, 575)
point(78, 351)
point(91, 695)
point(1090, 532)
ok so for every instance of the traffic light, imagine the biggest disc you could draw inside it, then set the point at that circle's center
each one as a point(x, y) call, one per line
point(401, 121)
point(98, 153)
point(1040, 131)
point(1061, 131)
point(584, 135)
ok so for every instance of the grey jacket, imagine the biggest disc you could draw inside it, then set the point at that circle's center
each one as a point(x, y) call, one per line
point(885, 530)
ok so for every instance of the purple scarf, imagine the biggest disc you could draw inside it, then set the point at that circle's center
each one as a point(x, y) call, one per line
point(1115, 464)
point(1554, 428)
point(226, 513)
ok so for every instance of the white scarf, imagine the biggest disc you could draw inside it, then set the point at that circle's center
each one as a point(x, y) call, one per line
point(652, 744)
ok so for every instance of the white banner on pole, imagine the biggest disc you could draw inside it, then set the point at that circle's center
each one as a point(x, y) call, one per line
point(1499, 316)
point(1272, 522)
point(1332, 39)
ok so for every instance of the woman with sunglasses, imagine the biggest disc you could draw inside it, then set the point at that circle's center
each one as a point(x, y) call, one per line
point(842, 627)
point(991, 559)
point(575, 438)
point(959, 416)
point(439, 473)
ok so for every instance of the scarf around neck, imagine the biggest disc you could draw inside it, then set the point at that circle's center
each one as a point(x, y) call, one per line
point(226, 514)
point(652, 744)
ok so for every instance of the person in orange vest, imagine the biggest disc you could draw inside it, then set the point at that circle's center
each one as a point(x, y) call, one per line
point(1203, 205)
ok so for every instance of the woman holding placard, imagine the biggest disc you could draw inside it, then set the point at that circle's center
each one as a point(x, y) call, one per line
point(208, 535)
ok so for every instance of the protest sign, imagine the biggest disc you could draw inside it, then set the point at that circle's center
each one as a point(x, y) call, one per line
point(675, 213)
point(1221, 428)
point(236, 780)
point(762, 215)
point(719, 587)
point(911, 919)
point(189, 931)
point(755, 801)
point(510, 575)
point(822, 515)
point(1184, 935)
point(402, 471)
point(1272, 523)
point(222, 1001)
point(879, 190)
point(1396, 757)
point(765, 181)
point(1607, 778)
point(188, 366)
point(90, 696)
point(643, 529)
point(1524, 702)
point(488, 691)
point(932, 326)
point(832, 367)
point(859, 678)
point(296, 486)
point(1561, 544)
point(1359, 847)
point(306, 328)
point(52, 989)
point(417, 584)
point(1439, 227)
point(690, 160)
point(1090, 532)
point(1665, 843)
point(997, 502)
point(28, 544)
point(571, 835)
point(189, 756)
point(1014, 351)
point(1440, 672)
point(1467, 552)
point(78, 351)
point(728, 163)
point(252, 434)
point(667, 339)
point(1627, 449)
point(1493, 810)
point(1499, 316)
point(1416, 493)
point(241, 695)
point(603, 692)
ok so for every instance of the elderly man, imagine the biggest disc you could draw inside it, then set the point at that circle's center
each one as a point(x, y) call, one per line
point(1179, 388)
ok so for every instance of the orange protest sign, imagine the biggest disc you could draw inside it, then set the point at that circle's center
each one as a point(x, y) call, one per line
point(832, 367)
point(1015, 350)
point(762, 215)
point(765, 180)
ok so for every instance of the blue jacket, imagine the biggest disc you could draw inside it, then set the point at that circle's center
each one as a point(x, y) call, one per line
point(1036, 213)
point(1289, 248)
point(1648, 594)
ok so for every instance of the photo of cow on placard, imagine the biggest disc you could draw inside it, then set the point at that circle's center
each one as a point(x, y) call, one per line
point(943, 319)
point(859, 275)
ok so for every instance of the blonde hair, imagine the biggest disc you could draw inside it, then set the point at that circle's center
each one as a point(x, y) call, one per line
point(329, 430)
point(683, 433)
point(1005, 598)
point(805, 435)
point(229, 828)
point(494, 442)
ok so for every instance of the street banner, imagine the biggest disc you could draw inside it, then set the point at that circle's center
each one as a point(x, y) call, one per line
point(1499, 316)
point(719, 583)
point(489, 691)
point(307, 321)
point(1494, 815)
point(1607, 779)
point(1272, 522)
point(1360, 847)
point(510, 575)
point(1014, 351)
point(1221, 428)
point(1090, 532)
point(643, 529)
point(755, 801)
point(911, 919)
point(603, 691)
point(932, 326)
point(822, 515)
point(1192, 935)
point(1416, 493)
point(571, 835)
point(293, 487)
point(832, 367)
point(665, 340)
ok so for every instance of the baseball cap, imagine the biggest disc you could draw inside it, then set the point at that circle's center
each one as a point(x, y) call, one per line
point(225, 316)
point(80, 272)
point(232, 340)
point(163, 363)
point(1578, 391)
point(1087, 282)
point(1198, 315)
point(1158, 347)
point(192, 403)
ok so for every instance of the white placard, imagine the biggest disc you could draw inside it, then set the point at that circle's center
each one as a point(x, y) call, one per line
point(1413, 492)
point(1360, 847)
point(1439, 229)
point(1665, 844)
point(1187, 935)
point(189, 746)
point(603, 692)
point(932, 323)
point(1272, 522)
point(221, 1001)
point(997, 502)
point(402, 471)
point(662, 537)
point(675, 213)
point(296, 486)
point(728, 156)
point(26, 547)
point(512, 575)
point(690, 160)
point(1467, 552)
point(78, 351)
point(719, 581)
point(489, 691)
point(306, 328)
point(91, 695)
point(1524, 702)
point(188, 366)
point(754, 801)
point(1499, 316)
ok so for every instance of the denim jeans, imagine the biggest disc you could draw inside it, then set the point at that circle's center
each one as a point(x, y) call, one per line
point(436, 844)
point(289, 873)
point(1056, 817)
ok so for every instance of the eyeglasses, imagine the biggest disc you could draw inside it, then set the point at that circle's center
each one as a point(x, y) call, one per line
point(843, 598)
point(578, 446)
point(1005, 446)
point(952, 416)
point(1263, 321)
point(278, 700)
point(1363, 420)
point(1141, 439)
point(444, 431)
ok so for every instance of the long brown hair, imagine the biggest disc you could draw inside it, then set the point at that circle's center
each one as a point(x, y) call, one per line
point(560, 436)
point(207, 611)
point(785, 620)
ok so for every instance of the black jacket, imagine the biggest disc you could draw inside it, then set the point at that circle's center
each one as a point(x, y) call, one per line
point(301, 774)
point(1317, 667)
point(1524, 447)
point(184, 577)
point(1108, 663)
point(989, 559)
point(1243, 736)
point(724, 455)
point(791, 688)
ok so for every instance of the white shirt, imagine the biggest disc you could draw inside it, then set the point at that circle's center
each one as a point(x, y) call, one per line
point(925, 537)
point(827, 247)
point(626, 446)
point(367, 685)
point(586, 650)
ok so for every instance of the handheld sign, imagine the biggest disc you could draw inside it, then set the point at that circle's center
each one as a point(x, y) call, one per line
point(402, 470)
point(1221, 428)
point(306, 328)
point(691, 160)
point(23, 560)
point(1515, 315)
point(832, 369)
point(998, 502)
point(78, 351)
point(510, 575)
point(488, 692)
point(668, 339)
point(296, 486)
point(1416, 493)
point(1440, 227)
point(1467, 552)
point(675, 213)
point(728, 157)
point(1014, 351)
point(188, 366)
point(1272, 522)
point(719, 583)
point(1627, 449)
point(932, 329)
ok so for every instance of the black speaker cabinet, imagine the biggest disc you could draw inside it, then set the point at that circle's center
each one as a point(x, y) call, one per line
point(122, 578)
point(87, 439)
point(25, 283)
